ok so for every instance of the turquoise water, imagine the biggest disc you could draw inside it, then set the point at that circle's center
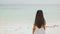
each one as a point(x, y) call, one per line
point(19, 19)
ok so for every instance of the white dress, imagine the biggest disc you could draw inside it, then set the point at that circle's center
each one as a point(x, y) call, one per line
point(39, 31)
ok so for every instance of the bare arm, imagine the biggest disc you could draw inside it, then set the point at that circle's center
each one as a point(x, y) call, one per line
point(33, 29)
point(44, 27)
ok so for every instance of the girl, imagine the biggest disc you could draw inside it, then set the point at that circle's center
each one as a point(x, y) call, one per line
point(39, 25)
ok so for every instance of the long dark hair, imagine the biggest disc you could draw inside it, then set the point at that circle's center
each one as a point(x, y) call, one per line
point(39, 19)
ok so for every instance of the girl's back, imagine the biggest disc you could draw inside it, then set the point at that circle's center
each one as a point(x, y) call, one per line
point(39, 23)
point(39, 31)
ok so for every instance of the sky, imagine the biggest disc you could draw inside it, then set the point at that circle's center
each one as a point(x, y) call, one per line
point(29, 1)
